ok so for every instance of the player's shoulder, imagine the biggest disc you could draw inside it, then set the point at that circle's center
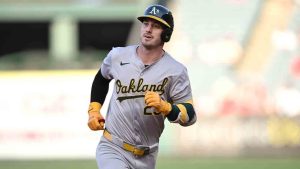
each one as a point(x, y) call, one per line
point(123, 50)
point(174, 64)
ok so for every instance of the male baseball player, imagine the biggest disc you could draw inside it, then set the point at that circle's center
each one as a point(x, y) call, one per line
point(150, 86)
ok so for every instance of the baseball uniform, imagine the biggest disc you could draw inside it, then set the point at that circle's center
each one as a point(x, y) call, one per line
point(128, 118)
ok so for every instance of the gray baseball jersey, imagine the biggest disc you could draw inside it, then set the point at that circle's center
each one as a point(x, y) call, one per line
point(128, 117)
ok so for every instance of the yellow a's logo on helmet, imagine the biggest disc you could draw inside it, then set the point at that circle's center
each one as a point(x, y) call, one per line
point(154, 11)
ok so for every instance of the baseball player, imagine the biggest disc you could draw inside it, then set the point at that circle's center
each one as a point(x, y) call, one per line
point(150, 86)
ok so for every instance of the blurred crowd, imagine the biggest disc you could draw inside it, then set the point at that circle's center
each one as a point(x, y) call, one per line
point(213, 50)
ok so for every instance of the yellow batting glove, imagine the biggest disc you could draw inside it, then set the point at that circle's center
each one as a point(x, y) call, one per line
point(153, 99)
point(96, 120)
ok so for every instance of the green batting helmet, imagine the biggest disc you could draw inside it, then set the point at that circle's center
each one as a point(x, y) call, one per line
point(162, 15)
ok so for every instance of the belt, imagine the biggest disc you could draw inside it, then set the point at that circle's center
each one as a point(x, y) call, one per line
point(136, 150)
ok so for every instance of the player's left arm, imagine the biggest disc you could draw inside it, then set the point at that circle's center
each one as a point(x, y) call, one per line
point(179, 108)
point(182, 113)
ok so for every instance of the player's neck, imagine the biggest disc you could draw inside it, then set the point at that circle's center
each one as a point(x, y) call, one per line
point(149, 56)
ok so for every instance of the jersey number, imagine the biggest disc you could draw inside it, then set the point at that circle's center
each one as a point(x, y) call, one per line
point(150, 111)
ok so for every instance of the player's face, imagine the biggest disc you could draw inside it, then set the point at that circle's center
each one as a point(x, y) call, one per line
point(150, 33)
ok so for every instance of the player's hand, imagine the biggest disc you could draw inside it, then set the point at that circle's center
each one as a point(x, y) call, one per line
point(96, 120)
point(153, 99)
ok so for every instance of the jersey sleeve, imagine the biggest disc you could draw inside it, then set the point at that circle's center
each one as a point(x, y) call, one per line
point(106, 66)
point(180, 90)
point(181, 95)
point(101, 81)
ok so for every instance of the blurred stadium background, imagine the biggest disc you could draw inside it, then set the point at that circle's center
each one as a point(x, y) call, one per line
point(243, 58)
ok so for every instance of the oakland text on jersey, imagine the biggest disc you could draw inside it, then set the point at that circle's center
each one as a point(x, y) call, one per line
point(139, 87)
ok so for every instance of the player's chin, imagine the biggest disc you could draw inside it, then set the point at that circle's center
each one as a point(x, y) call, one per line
point(146, 40)
point(147, 44)
point(150, 44)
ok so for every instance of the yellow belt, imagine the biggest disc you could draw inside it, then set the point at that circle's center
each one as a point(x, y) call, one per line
point(128, 147)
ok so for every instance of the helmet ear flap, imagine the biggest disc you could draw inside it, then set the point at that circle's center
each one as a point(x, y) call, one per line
point(166, 34)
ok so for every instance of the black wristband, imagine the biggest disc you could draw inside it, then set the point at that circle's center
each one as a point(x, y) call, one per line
point(173, 115)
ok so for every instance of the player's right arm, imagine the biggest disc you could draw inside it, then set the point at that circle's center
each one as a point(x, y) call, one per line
point(99, 91)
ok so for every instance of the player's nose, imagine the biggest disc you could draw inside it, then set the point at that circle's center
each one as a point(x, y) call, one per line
point(148, 28)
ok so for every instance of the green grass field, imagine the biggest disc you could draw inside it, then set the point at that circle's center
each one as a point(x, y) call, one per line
point(165, 163)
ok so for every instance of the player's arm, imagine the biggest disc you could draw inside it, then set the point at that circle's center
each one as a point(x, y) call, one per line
point(98, 93)
point(182, 113)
